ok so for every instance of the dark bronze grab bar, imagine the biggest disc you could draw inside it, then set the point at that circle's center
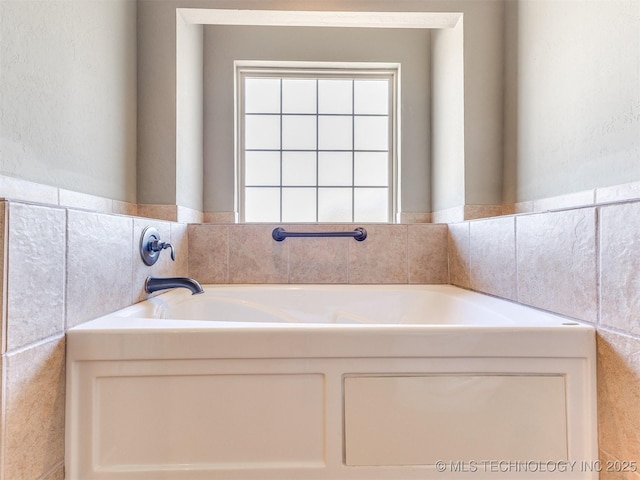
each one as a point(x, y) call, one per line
point(279, 234)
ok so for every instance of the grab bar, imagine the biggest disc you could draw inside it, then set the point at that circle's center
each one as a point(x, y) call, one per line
point(279, 234)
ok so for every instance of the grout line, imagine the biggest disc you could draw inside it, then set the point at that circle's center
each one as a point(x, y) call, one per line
point(349, 253)
point(407, 261)
point(287, 253)
point(132, 268)
point(38, 343)
point(515, 253)
point(598, 261)
point(3, 414)
point(59, 465)
point(5, 279)
point(65, 270)
point(467, 260)
point(450, 251)
point(617, 331)
point(227, 273)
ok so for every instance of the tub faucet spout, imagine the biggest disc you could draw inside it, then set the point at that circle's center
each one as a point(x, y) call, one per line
point(154, 284)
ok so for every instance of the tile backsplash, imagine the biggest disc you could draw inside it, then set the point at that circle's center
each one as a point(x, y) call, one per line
point(556, 262)
point(34, 395)
point(35, 298)
point(619, 267)
point(63, 266)
point(584, 263)
point(236, 253)
point(492, 257)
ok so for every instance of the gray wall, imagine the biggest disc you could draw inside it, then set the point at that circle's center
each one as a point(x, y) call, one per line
point(70, 81)
point(483, 101)
point(189, 114)
point(447, 131)
point(68, 95)
point(156, 101)
point(467, 115)
point(573, 96)
point(483, 70)
point(224, 44)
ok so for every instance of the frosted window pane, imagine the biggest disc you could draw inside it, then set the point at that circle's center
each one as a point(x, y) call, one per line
point(334, 205)
point(371, 205)
point(371, 97)
point(335, 169)
point(316, 149)
point(371, 133)
point(298, 204)
point(298, 132)
point(335, 96)
point(371, 169)
point(262, 95)
point(334, 133)
point(298, 95)
point(262, 204)
point(262, 168)
point(298, 168)
point(262, 132)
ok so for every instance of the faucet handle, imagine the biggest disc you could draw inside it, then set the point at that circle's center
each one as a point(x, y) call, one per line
point(151, 246)
point(173, 251)
point(158, 246)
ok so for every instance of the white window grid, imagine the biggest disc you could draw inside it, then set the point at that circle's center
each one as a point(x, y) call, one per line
point(351, 74)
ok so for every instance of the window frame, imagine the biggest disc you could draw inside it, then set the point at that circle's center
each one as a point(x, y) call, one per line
point(318, 70)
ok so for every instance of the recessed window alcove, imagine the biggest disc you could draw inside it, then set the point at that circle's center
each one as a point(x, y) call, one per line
point(445, 160)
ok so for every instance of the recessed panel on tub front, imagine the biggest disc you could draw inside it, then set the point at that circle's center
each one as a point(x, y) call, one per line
point(212, 421)
point(418, 420)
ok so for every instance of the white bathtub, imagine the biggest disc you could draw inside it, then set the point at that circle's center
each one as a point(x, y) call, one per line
point(332, 383)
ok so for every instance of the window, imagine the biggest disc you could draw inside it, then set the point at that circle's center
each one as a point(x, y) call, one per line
point(316, 145)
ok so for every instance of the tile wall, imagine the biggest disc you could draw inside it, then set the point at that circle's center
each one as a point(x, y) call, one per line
point(235, 253)
point(582, 263)
point(61, 267)
point(24, 190)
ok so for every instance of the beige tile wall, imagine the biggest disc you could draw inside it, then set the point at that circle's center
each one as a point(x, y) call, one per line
point(64, 266)
point(492, 257)
point(556, 262)
point(584, 263)
point(235, 253)
point(459, 254)
point(99, 271)
point(427, 253)
point(619, 267)
point(36, 248)
point(581, 262)
point(61, 267)
point(16, 189)
point(619, 395)
point(34, 385)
